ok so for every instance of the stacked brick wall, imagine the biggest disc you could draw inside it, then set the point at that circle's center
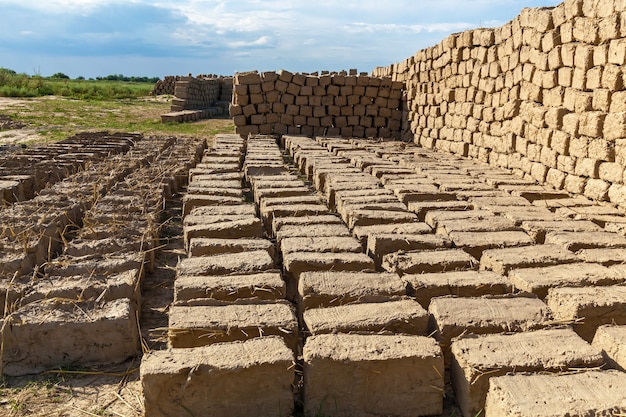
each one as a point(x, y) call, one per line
point(543, 94)
point(338, 104)
point(196, 98)
point(195, 93)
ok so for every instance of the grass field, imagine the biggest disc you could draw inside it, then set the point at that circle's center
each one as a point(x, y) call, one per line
point(52, 118)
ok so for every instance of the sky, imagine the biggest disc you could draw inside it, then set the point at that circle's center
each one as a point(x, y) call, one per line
point(156, 38)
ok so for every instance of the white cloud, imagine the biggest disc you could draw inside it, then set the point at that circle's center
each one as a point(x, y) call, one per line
point(262, 41)
point(361, 27)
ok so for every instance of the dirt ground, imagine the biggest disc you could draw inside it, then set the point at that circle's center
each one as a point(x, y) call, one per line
point(14, 136)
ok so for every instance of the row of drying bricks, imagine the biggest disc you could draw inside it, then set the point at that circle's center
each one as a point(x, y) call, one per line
point(222, 298)
point(27, 171)
point(99, 272)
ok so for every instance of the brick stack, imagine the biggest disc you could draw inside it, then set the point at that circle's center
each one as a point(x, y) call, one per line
point(343, 104)
point(542, 94)
point(195, 93)
point(196, 98)
point(165, 86)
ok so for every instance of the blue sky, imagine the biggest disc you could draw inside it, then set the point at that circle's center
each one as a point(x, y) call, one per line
point(173, 37)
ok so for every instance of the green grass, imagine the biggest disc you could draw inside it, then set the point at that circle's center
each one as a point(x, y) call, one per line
point(13, 84)
point(55, 118)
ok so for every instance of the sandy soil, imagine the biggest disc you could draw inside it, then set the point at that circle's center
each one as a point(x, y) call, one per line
point(15, 136)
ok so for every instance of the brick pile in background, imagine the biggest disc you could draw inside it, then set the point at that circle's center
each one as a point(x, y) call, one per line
point(337, 104)
point(543, 95)
point(195, 98)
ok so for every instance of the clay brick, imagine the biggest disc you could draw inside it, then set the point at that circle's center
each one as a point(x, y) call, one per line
point(597, 305)
point(245, 262)
point(574, 394)
point(425, 287)
point(503, 260)
point(206, 290)
point(298, 262)
point(379, 245)
point(475, 243)
point(611, 340)
point(540, 280)
point(229, 379)
point(490, 314)
point(110, 328)
point(363, 232)
point(429, 261)
point(402, 316)
point(206, 325)
point(332, 363)
point(477, 359)
point(334, 288)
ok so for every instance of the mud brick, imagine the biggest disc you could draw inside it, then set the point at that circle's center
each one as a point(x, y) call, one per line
point(478, 358)
point(223, 264)
point(268, 202)
point(103, 287)
point(250, 228)
point(218, 167)
point(191, 201)
point(372, 217)
point(503, 260)
point(323, 219)
point(276, 181)
point(321, 174)
point(379, 171)
point(235, 379)
point(377, 195)
point(526, 213)
point(205, 325)
point(95, 265)
point(480, 202)
point(320, 244)
point(402, 316)
point(292, 210)
point(485, 224)
point(540, 280)
point(576, 241)
point(490, 314)
point(426, 192)
point(610, 339)
point(234, 210)
point(372, 375)
point(421, 208)
point(425, 287)
point(379, 245)
point(200, 175)
point(433, 217)
point(604, 256)
point(297, 262)
point(205, 290)
point(428, 261)
point(276, 192)
point(361, 194)
point(334, 288)
point(195, 188)
point(65, 329)
point(215, 246)
point(311, 230)
point(594, 213)
point(574, 394)
point(476, 242)
point(588, 307)
point(538, 229)
point(362, 182)
point(411, 228)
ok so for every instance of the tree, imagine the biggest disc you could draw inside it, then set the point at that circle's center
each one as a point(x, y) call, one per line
point(60, 75)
